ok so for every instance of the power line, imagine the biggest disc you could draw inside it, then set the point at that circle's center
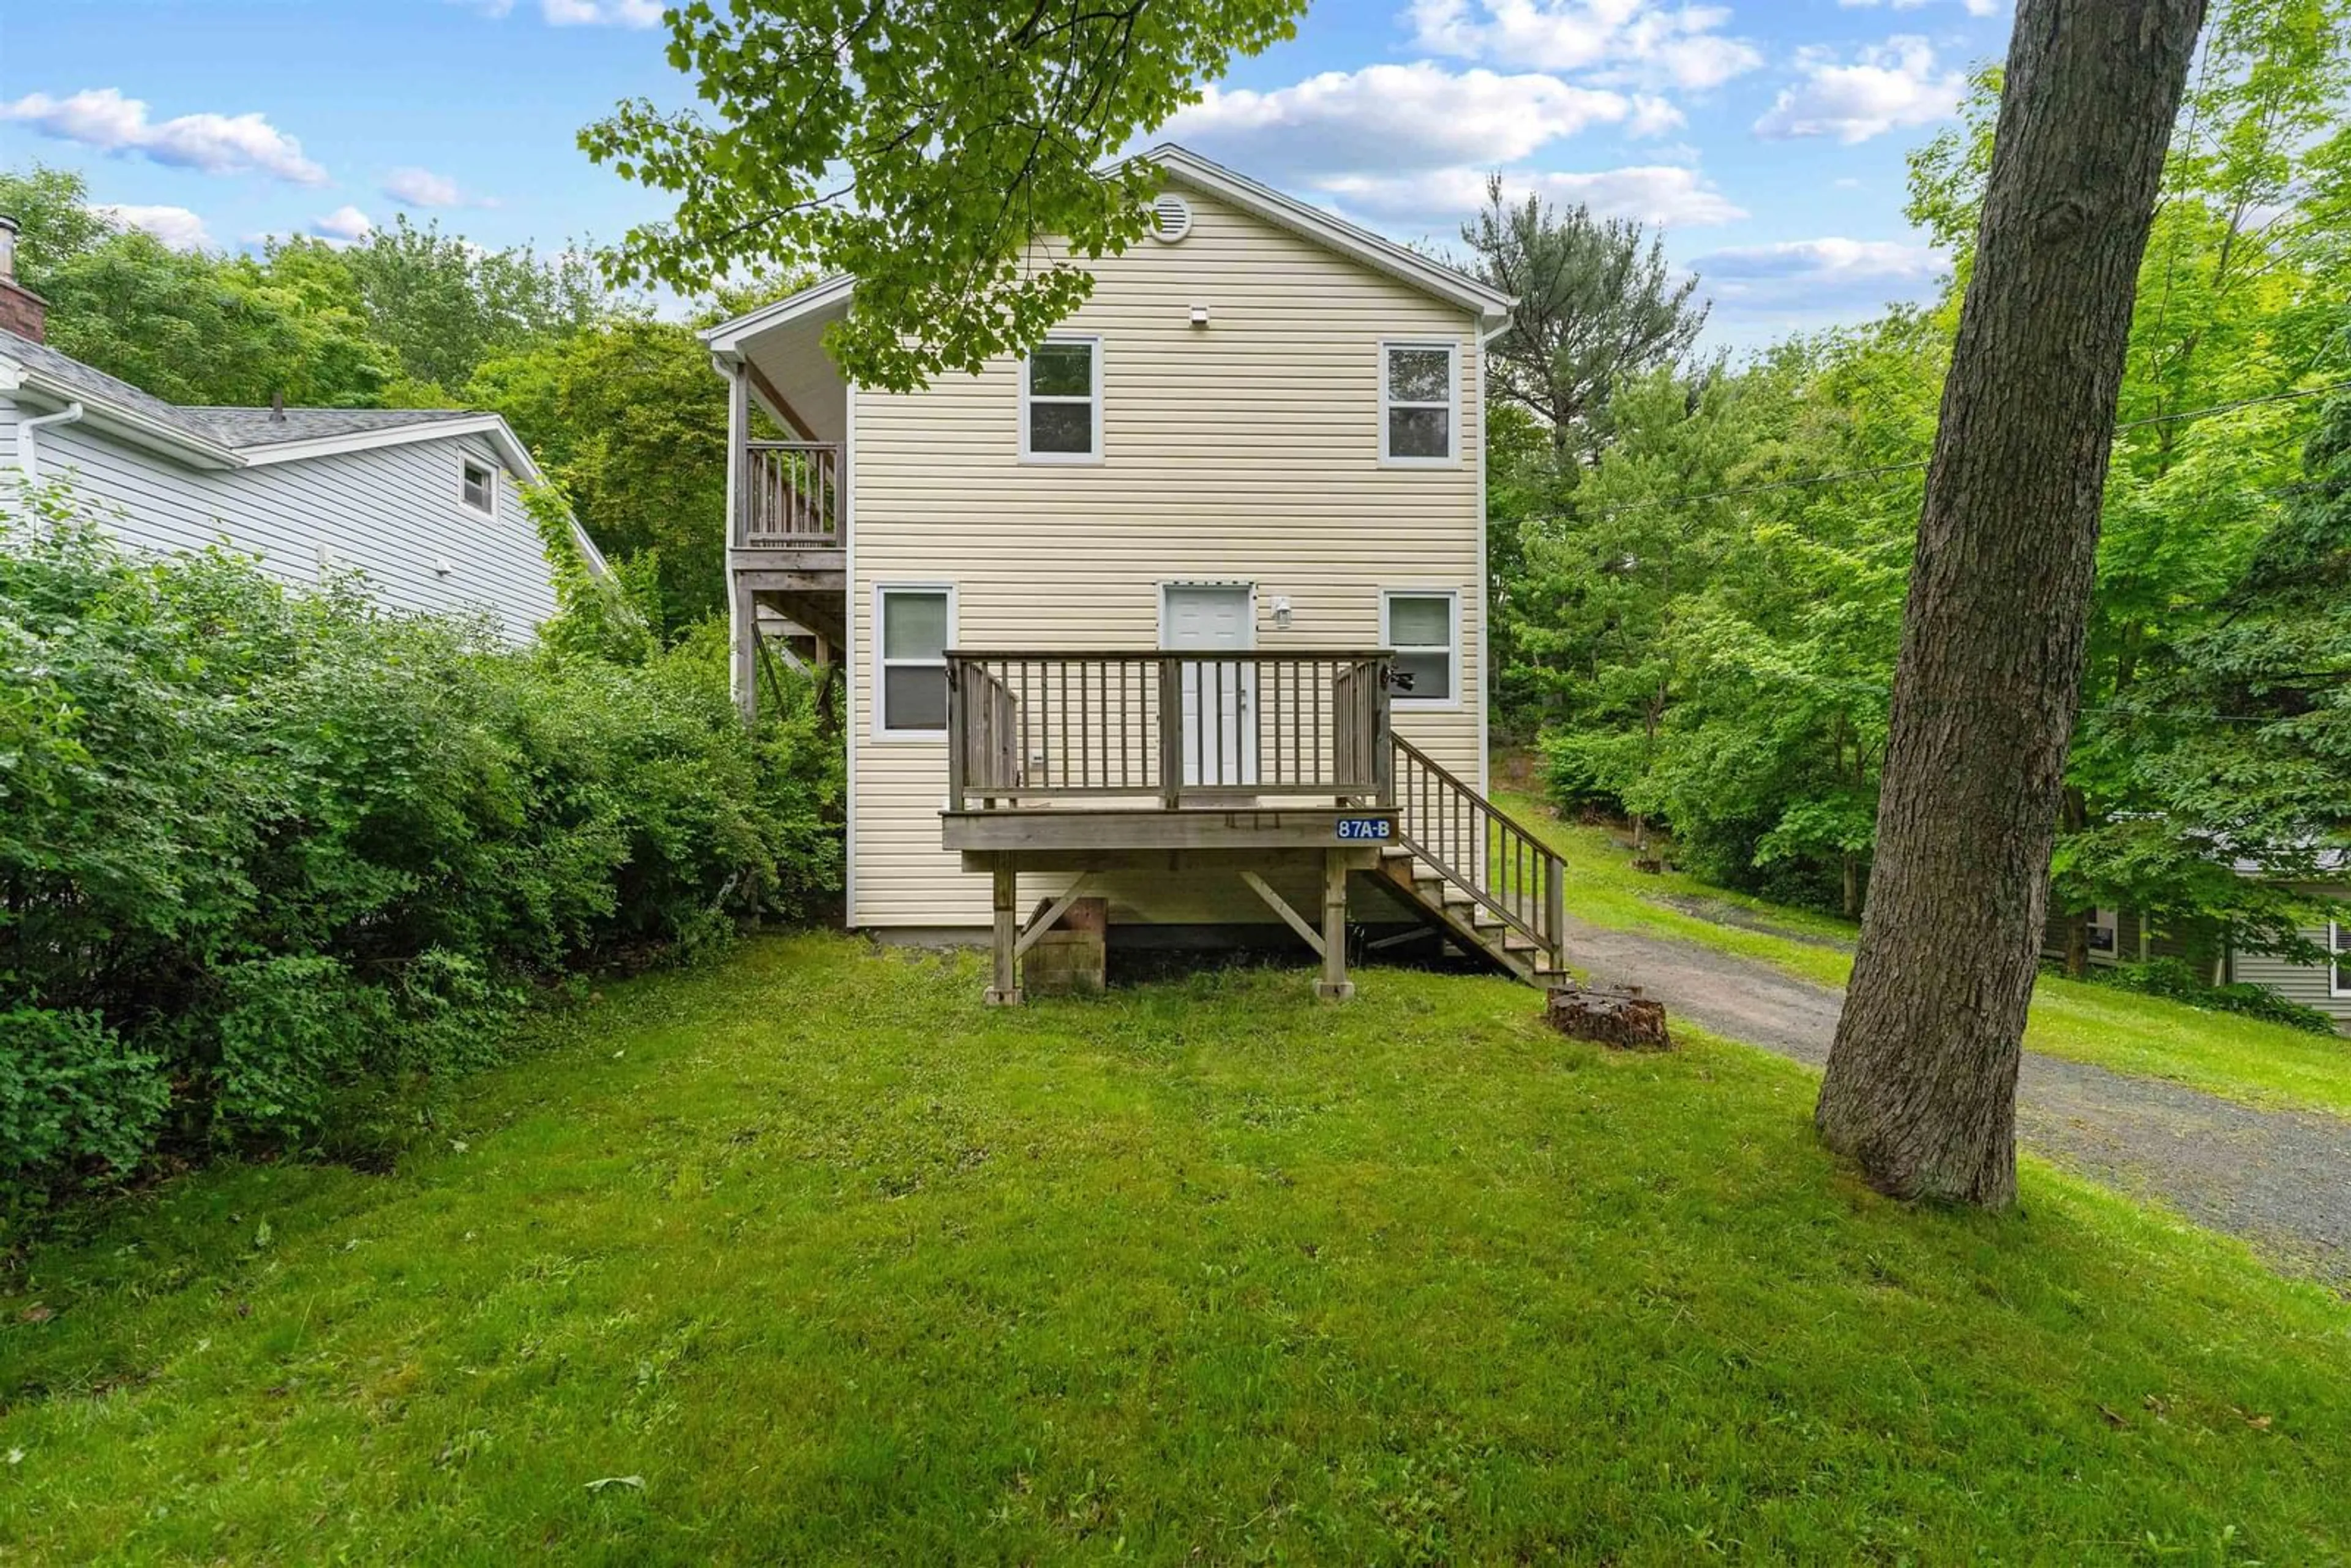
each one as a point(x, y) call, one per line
point(1883, 468)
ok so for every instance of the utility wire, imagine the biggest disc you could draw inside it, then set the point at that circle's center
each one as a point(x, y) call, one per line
point(1883, 468)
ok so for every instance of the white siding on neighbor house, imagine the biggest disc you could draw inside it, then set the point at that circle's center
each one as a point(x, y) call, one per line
point(391, 513)
point(1247, 450)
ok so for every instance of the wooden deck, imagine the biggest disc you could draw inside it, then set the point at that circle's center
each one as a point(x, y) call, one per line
point(787, 558)
point(1239, 762)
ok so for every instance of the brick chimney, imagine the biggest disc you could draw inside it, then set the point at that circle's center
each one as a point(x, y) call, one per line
point(21, 311)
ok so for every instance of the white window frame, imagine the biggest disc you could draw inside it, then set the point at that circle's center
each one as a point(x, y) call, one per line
point(1452, 348)
point(489, 468)
point(1094, 398)
point(2110, 921)
point(882, 665)
point(2334, 956)
point(1452, 596)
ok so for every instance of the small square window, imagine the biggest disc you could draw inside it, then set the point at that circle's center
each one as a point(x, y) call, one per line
point(1421, 629)
point(478, 487)
point(916, 625)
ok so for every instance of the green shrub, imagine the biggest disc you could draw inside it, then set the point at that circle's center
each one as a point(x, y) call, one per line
point(2179, 981)
point(71, 1092)
point(296, 856)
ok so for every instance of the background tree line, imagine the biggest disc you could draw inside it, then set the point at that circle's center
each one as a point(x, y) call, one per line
point(618, 404)
point(1700, 570)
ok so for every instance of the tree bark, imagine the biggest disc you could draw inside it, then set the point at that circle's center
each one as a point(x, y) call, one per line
point(1921, 1082)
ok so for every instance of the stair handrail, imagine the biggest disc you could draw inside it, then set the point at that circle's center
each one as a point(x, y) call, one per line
point(1431, 830)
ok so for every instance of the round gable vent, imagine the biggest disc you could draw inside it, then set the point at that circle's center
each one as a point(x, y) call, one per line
point(1171, 218)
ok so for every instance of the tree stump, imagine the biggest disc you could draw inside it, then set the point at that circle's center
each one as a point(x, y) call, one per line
point(1618, 1017)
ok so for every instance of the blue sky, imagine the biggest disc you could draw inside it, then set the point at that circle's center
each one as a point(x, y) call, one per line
point(1766, 135)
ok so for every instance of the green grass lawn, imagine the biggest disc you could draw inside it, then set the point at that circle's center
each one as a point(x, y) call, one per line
point(2237, 1058)
point(829, 1262)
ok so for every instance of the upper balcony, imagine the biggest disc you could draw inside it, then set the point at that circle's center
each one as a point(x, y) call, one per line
point(787, 497)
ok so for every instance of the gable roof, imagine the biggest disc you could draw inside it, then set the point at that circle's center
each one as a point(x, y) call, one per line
point(220, 437)
point(1186, 169)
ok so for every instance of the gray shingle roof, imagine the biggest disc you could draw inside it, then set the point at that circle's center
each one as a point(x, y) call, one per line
point(243, 427)
point(237, 428)
point(84, 380)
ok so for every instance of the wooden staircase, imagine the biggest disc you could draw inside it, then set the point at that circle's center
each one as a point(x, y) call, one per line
point(1473, 873)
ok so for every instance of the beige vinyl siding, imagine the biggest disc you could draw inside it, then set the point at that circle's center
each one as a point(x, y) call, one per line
point(1247, 450)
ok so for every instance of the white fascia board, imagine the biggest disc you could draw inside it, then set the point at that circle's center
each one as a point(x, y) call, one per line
point(516, 457)
point(125, 423)
point(726, 339)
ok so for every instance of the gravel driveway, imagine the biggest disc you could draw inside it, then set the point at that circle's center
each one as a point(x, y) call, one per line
point(2281, 1179)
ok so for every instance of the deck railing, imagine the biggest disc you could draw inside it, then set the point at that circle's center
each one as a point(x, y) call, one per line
point(787, 495)
point(1168, 729)
point(1483, 850)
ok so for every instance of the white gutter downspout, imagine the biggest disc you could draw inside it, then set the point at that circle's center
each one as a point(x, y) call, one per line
point(28, 460)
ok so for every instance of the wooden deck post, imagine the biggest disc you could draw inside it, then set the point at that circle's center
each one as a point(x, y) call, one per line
point(1006, 990)
point(1335, 986)
point(743, 668)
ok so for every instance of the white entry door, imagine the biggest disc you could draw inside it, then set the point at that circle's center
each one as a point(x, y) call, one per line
point(1219, 742)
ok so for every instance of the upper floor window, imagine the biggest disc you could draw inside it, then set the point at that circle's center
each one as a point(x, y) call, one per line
point(915, 626)
point(1418, 404)
point(1060, 401)
point(1422, 626)
point(478, 486)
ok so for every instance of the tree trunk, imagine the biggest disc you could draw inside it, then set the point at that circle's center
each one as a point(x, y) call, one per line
point(1921, 1082)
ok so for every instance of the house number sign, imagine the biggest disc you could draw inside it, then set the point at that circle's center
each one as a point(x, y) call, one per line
point(1365, 830)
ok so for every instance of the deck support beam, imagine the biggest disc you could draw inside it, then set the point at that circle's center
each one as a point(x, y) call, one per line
point(1280, 906)
point(1334, 986)
point(1004, 992)
point(1050, 918)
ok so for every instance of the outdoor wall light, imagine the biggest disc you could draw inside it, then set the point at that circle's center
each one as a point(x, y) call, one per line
point(1281, 611)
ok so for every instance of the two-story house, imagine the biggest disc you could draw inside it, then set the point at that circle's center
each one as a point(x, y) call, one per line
point(1186, 609)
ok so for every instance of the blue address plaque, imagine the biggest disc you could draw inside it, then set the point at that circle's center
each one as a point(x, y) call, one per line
point(1365, 830)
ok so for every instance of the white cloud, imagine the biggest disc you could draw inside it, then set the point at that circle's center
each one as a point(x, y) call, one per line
point(1628, 40)
point(597, 12)
point(1886, 87)
point(1417, 116)
point(216, 143)
point(346, 223)
point(175, 226)
point(1653, 117)
point(1440, 200)
point(1831, 272)
point(414, 187)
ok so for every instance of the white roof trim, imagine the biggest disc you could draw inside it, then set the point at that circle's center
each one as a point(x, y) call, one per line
point(511, 451)
point(123, 421)
point(726, 338)
point(1185, 167)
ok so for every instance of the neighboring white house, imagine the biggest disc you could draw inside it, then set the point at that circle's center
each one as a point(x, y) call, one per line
point(1127, 610)
point(426, 505)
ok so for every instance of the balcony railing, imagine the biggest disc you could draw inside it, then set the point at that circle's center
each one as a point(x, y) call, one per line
point(787, 497)
point(1175, 730)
